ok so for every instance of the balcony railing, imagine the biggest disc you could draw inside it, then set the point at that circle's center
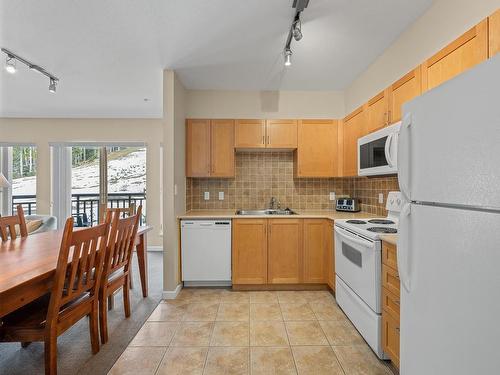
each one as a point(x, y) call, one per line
point(87, 204)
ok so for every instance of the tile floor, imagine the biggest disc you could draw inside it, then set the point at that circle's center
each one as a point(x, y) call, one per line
point(218, 331)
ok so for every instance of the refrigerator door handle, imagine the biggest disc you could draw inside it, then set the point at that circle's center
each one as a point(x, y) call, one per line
point(404, 156)
point(404, 247)
point(387, 150)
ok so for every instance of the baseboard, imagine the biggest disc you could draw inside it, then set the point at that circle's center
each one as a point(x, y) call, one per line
point(155, 248)
point(207, 283)
point(172, 294)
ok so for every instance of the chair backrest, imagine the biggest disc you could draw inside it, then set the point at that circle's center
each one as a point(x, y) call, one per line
point(8, 225)
point(122, 211)
point(121, 241)
point(79, 266)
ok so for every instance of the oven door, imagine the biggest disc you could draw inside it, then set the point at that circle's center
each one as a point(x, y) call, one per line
point(377, 152)
point(358, 264)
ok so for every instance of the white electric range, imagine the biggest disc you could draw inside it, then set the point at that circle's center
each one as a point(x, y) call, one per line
point(358, 268)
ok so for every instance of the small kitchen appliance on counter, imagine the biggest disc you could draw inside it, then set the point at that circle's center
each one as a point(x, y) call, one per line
point(348, 205)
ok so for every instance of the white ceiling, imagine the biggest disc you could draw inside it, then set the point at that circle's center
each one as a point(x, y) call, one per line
point(109, 54)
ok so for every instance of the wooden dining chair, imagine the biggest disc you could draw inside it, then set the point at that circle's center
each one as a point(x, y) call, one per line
point(122, 211)
point(117, 265)
point(8, 225)
point(74, 295)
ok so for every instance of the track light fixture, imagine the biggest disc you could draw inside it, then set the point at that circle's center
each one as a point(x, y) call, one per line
point(10, 66)
point(295, 29)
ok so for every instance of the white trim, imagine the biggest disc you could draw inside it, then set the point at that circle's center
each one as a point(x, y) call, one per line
point(155, 248)
point(172, 294)
point(99, 144)
point(207, 283)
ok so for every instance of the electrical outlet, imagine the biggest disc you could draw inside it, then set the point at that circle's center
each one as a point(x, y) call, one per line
point(221, 195)
point(332, 195)
point(206, 195)
point(380, 198)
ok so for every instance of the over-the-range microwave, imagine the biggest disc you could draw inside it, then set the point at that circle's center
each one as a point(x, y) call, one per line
point(378, 152)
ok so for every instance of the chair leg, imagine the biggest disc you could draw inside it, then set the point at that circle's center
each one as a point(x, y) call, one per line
point(50, 349)
point(126, 296)
point(25, 344)
point(94, 328)
point(103, 319)
point(131, 279)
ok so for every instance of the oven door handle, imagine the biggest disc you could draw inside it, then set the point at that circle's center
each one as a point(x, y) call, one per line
point(387, 150)
point(358, 241)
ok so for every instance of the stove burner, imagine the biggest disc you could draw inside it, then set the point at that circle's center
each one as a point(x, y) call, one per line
point(382, 230)
point(380, 221)
point(356, 221)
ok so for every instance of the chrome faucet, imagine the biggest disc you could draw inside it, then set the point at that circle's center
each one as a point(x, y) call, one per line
point(273, 202)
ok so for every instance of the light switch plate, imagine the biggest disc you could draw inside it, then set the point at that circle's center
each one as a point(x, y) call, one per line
point(206, 195)
point(332, 195)
point(221, 195)
point(380, 198)
point(175, 189)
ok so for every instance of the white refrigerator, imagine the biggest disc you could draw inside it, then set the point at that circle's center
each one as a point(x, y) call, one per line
point(449, 227)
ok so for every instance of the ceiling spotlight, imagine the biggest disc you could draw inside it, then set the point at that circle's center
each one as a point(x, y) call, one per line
point(288, 57)
point(297, 30)
point(10, 64)
point(52, 85)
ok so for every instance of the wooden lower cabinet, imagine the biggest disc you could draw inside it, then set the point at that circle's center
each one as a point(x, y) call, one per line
point(390, 302)
point(249, 251)
point(284, 251)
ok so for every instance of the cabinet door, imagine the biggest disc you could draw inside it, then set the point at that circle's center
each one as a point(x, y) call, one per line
point(390, 337)
point(468, 50)
point(494, 33)
point(250, 134)
point(222, 148)
point(330, 254)
point(317, 153)
point(284, 251)
point(198, 148)
point(352, 129)
point(403, 90)
point(249, 251)
point(377, 112)
point(281, 134)
point(315, 258)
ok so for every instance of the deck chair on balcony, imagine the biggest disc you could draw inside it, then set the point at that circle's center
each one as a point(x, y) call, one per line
point(8, 225)
point(117, 265)
point(74, 295)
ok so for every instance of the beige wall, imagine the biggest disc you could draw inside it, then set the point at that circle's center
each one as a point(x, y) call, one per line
point(43, 131)
point(174, 178)
point(264, 104)
point(443, 22)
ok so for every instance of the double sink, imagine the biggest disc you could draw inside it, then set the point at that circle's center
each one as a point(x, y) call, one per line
point(269, 211)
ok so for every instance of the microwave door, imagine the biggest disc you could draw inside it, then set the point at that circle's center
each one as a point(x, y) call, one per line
point(372, 154)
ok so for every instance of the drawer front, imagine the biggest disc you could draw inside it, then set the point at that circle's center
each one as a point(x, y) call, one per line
point(390, 303)
point(390, 337)
point(390, 279)
point(389, 255)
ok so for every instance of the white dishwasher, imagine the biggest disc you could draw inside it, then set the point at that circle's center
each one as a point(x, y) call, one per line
point(206, 252)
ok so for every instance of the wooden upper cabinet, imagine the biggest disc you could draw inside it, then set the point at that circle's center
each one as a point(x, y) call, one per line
point(315, 256)
point(198, 148)
point(468, 50)
point(317, 152)
point(353, 127)
point(222, 148)
point(249, 251)
point(284, 251)
point(403, 90)
point(250, 134)
point(377, 112)
point(494, 33)
point(281, 134)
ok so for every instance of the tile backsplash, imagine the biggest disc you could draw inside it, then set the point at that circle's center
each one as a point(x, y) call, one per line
point(262, 175)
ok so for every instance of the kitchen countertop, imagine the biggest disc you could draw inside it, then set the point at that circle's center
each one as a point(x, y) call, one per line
point(390, 238)
point(302, 214)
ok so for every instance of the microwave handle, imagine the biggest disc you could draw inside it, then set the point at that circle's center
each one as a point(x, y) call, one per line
point(387, 150)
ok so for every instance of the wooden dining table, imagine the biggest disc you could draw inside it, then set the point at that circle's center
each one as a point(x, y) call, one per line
point(28, 266)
